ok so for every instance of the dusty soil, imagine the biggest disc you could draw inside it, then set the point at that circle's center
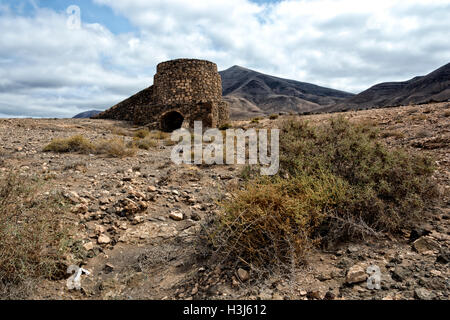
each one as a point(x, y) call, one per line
point(134, 250)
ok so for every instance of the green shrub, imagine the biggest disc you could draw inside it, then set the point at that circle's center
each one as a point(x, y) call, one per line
point(336, 182)
point(273, 116)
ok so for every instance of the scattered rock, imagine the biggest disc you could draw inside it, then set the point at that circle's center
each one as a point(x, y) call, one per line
point(400, 273)
point(243, 275)
point(417, 233)
point(443, 257)
point(176, 215)
point(108, 268)
point(314, 295)
point(329, 296)
point(138, 220)
point(424, 244)
point(423, 294)
point(356, 274)
point(103, 239)
point(80, 208)
point(88, 246)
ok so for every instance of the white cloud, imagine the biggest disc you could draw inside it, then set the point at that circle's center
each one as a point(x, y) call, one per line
point(47, 69)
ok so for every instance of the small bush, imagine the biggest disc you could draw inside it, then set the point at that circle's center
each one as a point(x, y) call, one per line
point(114, 147)
point(141, 133)
point(336, 182)
point(255, 120)
point(159, 135)
point(273, 116)
point(76, 143)
point(144, 144)
point(34, 237)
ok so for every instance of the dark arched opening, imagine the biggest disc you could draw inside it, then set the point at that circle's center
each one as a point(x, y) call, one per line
point(171, 121)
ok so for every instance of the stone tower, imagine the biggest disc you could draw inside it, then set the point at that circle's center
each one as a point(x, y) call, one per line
point(183, 91)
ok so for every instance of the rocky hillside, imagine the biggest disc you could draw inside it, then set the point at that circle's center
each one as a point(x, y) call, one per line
point(434, 87)
point(252, 93)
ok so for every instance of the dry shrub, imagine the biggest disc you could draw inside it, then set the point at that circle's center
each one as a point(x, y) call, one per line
point(273, 116)
point(76, 143)
point(141, 133)
point(144, 144)
point(114, 147)
point(34, 237)
point(159, 135)
point(336, 183)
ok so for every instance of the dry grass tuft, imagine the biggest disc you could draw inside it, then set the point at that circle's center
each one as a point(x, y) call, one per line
point(114, 147)
point(76, 143)
point(144, 144)
point(141, 133)
point(34, 237)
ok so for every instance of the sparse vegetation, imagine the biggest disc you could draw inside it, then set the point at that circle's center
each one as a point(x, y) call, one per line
point(336, 182)
point(273, 116)
point(159, 135)
point(76, 143)
point(34, 237)
point(114, 147)
point(144, 144)
point(141, 133)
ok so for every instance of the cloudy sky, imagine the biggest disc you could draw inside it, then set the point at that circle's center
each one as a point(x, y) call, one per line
point(51, 67)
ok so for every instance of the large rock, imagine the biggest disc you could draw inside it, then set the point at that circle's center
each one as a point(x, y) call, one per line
point(356, 274)
point(423, 294)
point(243, 275)
point(103, 239)
point(424, 244)
point(176, 215)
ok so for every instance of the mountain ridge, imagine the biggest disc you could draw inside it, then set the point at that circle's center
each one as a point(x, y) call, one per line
point(252, 93)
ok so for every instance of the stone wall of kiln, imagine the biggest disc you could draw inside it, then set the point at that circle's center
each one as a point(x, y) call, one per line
point(191, 87)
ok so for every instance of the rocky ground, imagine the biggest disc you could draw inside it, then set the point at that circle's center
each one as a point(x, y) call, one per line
point(138, 218)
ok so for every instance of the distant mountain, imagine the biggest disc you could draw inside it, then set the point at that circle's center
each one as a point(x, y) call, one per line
point(434, 87)
point(251, 93)
point(87, 114)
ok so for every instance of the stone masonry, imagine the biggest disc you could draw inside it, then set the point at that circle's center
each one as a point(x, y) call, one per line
point(183, 91)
